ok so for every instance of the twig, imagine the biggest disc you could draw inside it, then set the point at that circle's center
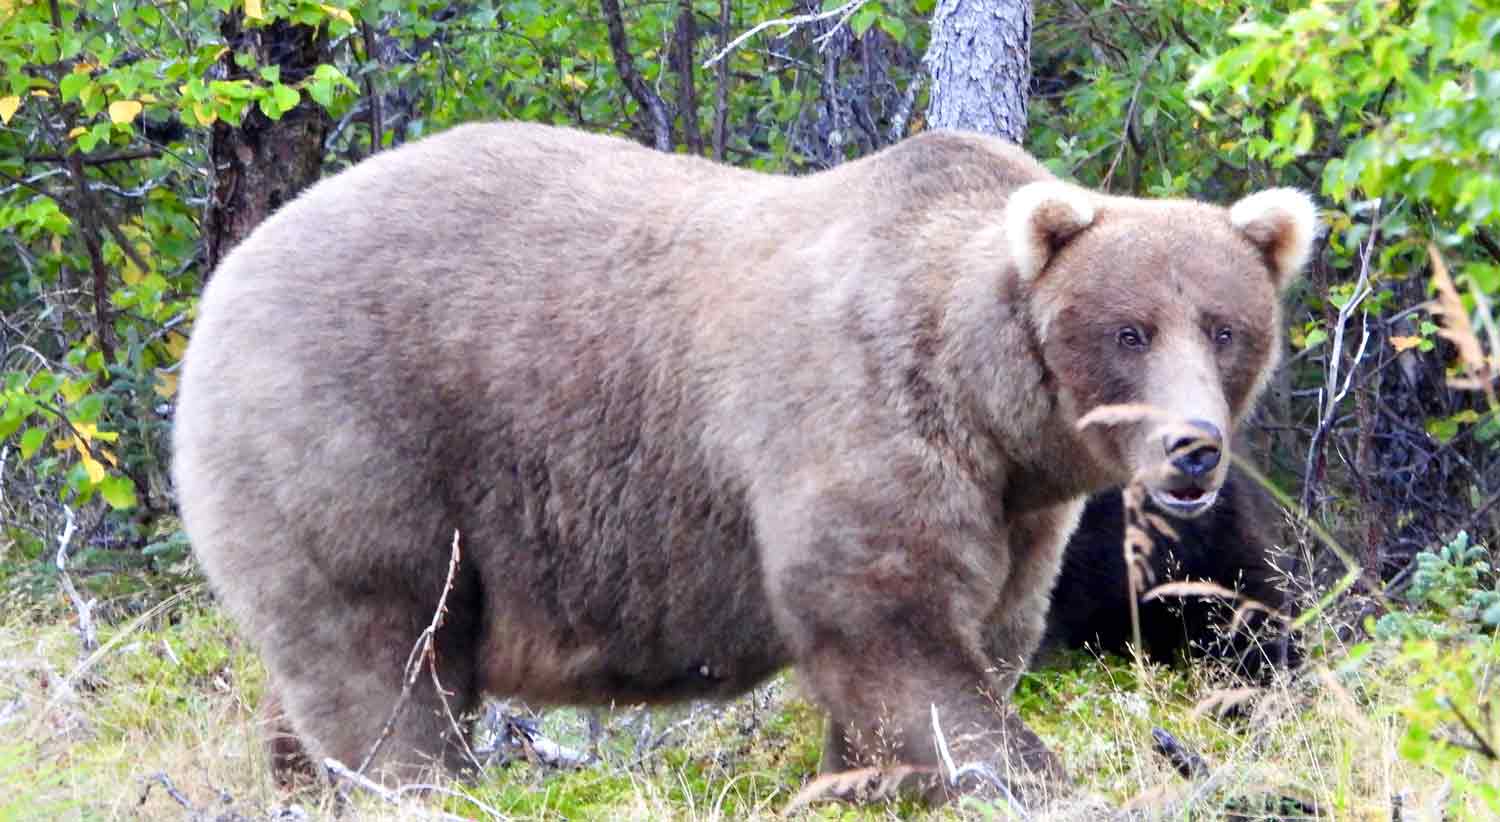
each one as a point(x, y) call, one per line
point(843, 12)
point(339, 770)
point(516, 732)
point(1135, 96)
point(160, 777)
point(422, 651)
point(1333, 393)
point(97, 159)
point(85, 608)
point(954, 774)
point(1481, 745)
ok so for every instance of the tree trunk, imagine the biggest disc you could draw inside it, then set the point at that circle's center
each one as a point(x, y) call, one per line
point(262, 163)
point(980, 60)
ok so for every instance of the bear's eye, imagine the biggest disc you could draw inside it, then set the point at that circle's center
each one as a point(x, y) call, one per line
point(1132, 338)
point(1223, 337)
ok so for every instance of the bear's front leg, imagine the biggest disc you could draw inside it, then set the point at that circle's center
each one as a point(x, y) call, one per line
point(882, 604)
point(1013, 630)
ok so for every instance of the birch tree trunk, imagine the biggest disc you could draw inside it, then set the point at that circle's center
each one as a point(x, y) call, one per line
point(980, 60)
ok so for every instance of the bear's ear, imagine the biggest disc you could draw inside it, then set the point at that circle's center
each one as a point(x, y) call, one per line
point(1039, 218)
point(1282, 223)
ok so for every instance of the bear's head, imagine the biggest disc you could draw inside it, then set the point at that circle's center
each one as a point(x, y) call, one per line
point(1159, 319)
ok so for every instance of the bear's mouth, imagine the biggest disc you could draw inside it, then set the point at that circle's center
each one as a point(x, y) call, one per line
point(1187, 501)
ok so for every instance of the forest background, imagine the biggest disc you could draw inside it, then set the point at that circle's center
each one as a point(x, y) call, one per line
point(139, 141)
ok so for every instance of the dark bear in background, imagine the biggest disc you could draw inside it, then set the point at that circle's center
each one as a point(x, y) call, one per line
point(1233, 545)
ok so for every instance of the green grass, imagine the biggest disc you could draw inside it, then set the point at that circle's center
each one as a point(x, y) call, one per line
point(173, 692)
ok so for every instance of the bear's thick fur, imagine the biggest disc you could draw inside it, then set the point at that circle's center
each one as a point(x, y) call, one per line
point(1232, 545)
point(695, 424)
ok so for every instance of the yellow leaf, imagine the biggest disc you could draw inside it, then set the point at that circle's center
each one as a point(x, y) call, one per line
point(85, 430)
point(335, 11)
point(574, 82)
point(122, 112)
point(109, 457)
point(63, 444)
point(8, 106)
point(77, 130)
point(166, 385)
point(40, 92)
point(92, 467)
point(253, 10)
point(206, 115)
point(130, 272)
point(1404, 343)
point(176, 344)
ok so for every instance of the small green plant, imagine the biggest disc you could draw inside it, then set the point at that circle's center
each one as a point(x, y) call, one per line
point(1453, 722)
point(1453, 589)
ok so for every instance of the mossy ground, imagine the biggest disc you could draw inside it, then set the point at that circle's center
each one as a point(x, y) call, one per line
point(169, 696)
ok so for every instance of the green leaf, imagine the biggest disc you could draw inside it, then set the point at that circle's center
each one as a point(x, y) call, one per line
point(118, 491)
point(894, 26)
point(31, 441)
point(72, 84)
point(286, 97)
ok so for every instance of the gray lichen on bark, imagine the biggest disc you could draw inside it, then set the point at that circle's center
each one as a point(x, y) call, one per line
point(979, 57)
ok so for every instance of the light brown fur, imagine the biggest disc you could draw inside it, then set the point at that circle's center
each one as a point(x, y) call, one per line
point(694, 424)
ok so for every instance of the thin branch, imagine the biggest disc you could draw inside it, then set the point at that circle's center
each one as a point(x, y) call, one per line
point(1481, 744)
point(1333, 392)
point(1135, 96)
point(339, 770)
point(422, 652)
point(649, 100)
point(85, 608)
point(97, 159)
point(791, 24)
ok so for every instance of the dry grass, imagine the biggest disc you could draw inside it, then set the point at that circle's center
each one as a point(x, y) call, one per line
point(173, 695)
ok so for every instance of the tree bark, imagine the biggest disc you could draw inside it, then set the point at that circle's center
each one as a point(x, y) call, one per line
point(262, 163)
point(684, 38)
point(979, 57)
point(650, 102)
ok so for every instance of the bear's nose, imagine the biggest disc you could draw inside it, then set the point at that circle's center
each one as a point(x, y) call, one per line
point(1195, 461)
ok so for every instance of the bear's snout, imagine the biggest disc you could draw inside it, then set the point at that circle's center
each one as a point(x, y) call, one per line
point(1195, 452)
point(1187, 482)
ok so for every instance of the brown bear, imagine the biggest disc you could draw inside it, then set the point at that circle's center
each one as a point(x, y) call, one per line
point(695, 424)
point(1232, 545)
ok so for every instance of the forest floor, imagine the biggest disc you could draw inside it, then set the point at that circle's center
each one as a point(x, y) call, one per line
point(159, 723)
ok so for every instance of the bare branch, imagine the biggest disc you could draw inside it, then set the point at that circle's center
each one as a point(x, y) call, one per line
point(423, 651)
point(85, 608)
point(791, 24)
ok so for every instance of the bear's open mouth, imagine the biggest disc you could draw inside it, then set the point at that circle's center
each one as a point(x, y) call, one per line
point(1187, 501)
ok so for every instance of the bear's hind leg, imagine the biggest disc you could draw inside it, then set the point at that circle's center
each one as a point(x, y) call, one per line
point(341, 682)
